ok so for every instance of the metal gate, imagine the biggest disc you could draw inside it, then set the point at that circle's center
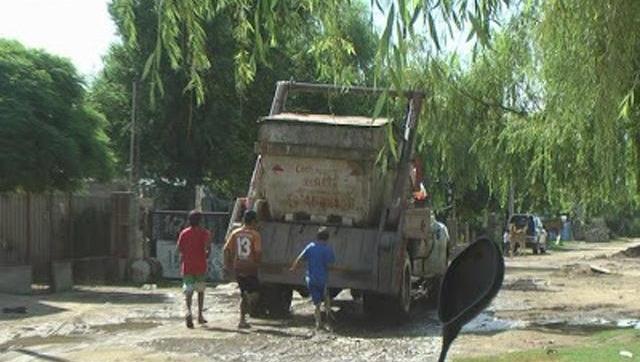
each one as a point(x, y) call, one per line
point(166, 226)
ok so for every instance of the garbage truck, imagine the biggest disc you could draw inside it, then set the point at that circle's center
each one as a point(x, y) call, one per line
point(324, 169)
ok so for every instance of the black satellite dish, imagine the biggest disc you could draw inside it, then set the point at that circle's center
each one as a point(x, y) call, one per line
point(472, 280)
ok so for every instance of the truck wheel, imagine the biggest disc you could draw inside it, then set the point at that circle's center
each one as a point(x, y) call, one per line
point(404, 298)
point(277, 300)
point(259, 308)
point(536, 249)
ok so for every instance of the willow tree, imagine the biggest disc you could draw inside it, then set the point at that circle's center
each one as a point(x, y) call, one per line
point(186, 142)
point(591, 71)
point(548, 107)
point(259, 25)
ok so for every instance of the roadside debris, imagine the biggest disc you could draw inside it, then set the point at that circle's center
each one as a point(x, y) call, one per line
point(597, 269)
point(626, 354)
point(582, 269)
point(571, 270)
point(526, 284)
point(628, 323)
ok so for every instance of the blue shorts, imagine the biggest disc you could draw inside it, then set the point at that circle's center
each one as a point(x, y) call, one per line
point(316, 291)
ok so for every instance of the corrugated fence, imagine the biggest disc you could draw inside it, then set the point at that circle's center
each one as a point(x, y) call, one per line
point(39, 228)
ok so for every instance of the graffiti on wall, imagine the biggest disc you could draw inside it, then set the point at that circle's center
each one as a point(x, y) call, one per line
point(166, 226)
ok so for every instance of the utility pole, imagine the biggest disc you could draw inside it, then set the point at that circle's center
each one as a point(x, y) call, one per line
point(132, 141)
point(512, 192)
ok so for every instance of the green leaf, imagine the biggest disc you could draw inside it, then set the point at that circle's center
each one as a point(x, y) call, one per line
point(386, 34)
point(391, 141)
point(433, 32)
point(382, 100)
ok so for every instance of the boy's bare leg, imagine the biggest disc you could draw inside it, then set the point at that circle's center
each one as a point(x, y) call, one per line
point(188, 297)
point(318, 317)
point(327, 309)
point(201, 319)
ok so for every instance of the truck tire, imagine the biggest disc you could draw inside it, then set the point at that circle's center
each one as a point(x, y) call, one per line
point(431, 301)
point(398, 307)
point(259, 308)
point(277, 300)
point(403, 300)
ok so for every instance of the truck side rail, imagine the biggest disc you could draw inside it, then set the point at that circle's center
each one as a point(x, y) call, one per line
point(283, 88)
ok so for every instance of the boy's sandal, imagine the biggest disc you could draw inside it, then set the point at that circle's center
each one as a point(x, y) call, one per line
point(189, 320)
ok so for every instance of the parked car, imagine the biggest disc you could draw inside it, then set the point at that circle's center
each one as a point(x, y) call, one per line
point(527, 231)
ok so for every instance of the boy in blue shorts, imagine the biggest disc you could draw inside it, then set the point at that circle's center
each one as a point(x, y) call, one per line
point(318, 256)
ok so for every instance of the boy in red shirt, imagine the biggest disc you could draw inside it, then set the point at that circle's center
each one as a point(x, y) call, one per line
point(242, 253)
point(193, 244)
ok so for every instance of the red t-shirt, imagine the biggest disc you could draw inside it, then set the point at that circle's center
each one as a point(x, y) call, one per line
point(193, 244)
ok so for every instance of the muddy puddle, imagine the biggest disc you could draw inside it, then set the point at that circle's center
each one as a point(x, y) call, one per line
point(585, 327)
point(126, 326)
point(202, 346)
point(22, 342)
point(488, 323)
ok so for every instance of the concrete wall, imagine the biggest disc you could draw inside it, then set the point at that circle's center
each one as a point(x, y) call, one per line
point(61, 276)
point(15, 279)
point(96, 270)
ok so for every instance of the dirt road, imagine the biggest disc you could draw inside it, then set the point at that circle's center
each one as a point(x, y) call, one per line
point(547, 300)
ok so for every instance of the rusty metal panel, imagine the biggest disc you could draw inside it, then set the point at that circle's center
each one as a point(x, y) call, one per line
point(320, 187)
point(40, 232)
point(39, 228)
point(369, 139)
point(122, 223)
point(390, 244)
point(417, 223)
point(355, 249)
point(90, 226)
point(61, 247)
point(13, 229)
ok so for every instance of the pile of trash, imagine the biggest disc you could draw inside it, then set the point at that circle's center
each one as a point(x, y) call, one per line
point(526, 284)
point(597, 231)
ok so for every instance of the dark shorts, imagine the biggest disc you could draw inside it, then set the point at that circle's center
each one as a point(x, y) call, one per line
point(248, 283)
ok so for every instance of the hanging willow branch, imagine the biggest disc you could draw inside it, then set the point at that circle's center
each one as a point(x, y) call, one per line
point(260, 24)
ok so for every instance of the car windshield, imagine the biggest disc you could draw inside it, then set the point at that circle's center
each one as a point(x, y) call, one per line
point(519, 221)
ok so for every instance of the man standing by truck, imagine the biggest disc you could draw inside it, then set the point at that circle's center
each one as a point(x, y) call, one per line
point(318, 256)
point(193, 245)
point(242, 253)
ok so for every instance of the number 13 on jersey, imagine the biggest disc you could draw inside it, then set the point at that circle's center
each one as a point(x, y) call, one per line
point(244, 247)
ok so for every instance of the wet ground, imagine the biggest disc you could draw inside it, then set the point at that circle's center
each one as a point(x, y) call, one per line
point(547, 301)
